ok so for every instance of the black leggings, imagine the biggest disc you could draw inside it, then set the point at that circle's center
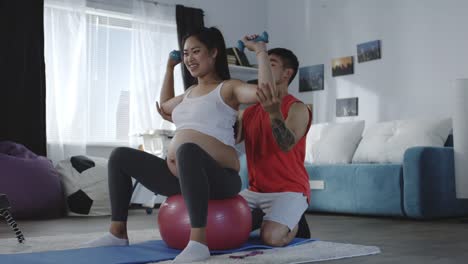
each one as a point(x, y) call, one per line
point(201, 179)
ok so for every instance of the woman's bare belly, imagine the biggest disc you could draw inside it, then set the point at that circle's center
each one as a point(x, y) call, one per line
point(225, 155)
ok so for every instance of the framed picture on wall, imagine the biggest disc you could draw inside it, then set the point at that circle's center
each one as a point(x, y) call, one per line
point(347, 107)
point(342, 66)
point(369, 51)
point(311, 78)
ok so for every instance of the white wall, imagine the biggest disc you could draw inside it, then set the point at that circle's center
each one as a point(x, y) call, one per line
point(424, 48)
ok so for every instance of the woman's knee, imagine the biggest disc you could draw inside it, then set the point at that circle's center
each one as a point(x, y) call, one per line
point(118, 157)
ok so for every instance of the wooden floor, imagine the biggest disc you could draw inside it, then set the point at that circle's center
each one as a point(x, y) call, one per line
point(401, 241)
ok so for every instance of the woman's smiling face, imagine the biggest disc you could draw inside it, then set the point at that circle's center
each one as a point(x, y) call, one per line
point(197, 58)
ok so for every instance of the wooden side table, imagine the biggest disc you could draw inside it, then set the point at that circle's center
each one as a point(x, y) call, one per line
point(5, 212)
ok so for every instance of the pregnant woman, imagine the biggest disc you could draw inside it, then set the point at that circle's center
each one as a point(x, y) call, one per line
point(202, 162)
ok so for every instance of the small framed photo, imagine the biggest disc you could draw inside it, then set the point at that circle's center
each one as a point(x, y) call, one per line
point(311, 78)
point(342, 66)
point(347, 107)
point(369, 51)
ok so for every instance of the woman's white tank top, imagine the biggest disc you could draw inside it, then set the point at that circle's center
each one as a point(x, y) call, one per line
point(208, 114)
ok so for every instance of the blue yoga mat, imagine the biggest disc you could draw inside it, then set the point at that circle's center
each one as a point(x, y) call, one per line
point(151, 251)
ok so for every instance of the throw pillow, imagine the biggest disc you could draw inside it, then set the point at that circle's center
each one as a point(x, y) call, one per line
point(333, 143)
point(387, 142)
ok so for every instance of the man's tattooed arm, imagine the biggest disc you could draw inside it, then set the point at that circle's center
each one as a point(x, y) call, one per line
point(284, 137)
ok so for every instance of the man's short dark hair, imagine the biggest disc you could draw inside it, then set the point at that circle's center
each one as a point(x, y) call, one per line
point(288, 58)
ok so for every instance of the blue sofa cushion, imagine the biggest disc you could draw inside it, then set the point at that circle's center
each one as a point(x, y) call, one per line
point(373, 189)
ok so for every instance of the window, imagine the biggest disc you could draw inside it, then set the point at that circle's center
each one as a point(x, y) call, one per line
point(105, 64)
point(109, 55)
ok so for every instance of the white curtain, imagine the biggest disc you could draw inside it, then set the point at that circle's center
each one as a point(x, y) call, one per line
point(66, 77)
point(104, 70)
point(154, 36)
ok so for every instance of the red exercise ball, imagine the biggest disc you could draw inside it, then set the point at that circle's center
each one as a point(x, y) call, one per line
point(228, 226)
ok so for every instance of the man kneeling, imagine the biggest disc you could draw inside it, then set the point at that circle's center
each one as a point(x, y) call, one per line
point(275, 131)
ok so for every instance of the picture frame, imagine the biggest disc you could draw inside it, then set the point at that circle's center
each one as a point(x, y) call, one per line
point(343, 66)
point(311, 78)
point(347, 107)
point(369, 51)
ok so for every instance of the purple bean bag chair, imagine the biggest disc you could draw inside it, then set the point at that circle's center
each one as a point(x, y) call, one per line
point(31, 183)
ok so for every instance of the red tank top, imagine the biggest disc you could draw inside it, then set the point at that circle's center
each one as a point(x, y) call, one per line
point(270, 169)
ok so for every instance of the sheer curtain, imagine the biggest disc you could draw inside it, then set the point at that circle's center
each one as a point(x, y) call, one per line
point(153, 22)
point(104, 71)
point(66, 77)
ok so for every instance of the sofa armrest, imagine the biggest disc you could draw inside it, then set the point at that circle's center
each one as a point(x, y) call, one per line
point(429, 184)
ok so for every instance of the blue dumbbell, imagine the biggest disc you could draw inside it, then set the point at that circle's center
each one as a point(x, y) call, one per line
point(263, 37)
point(175, 55)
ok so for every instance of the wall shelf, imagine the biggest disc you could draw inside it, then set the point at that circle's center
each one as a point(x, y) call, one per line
point(243, 73)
